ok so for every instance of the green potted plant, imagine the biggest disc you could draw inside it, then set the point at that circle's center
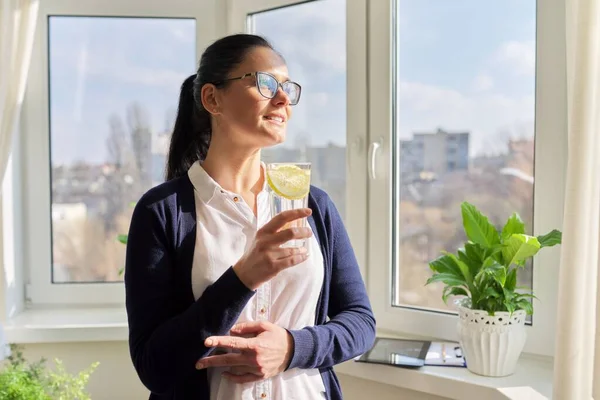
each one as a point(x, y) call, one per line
point(21, 380)
point(483, 274)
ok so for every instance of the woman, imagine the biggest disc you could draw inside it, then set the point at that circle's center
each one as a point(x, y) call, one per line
point(205, 269)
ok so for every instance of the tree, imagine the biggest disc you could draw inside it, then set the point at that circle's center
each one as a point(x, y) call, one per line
point(116, 187)
point(141, 144)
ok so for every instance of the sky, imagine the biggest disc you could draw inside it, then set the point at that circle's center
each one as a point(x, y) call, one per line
point(463, 65)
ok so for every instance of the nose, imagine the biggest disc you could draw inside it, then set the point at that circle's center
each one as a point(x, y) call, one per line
point(281, 98)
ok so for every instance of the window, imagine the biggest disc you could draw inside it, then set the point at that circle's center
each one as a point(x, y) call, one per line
point(100, 102)
point(111, 111)
point(470, 87)
point(484, 92)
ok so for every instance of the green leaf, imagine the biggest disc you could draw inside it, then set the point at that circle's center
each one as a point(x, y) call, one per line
point(496, 253)
point(514, 225)
point(525, 305)
point(509, 295)
point(510, 306)
point(550, 239)
point(520, 296)
point(511, 279)
point(122, 239)
point(490, 291)
point(447, 278)
point(474, 264)
point(453, 291)
point(518, 248)
point(464, 269)
point(445, 264)
point(499, 274)
point(475, 251)
point(477, 226)
point(488, 265)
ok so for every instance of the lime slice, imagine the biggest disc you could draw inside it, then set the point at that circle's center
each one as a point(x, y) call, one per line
point(289, 181)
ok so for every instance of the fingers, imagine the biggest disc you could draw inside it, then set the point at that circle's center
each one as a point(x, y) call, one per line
point(278, 221)
point(246, 378)
point(282, 253)
point(229, 342)
point(285, 235)
point(251, 327)
point(244, 369)
point(225, 360)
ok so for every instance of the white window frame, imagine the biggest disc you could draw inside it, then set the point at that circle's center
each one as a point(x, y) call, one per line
point(356, 107)
point(34, 158)
point(550, 167)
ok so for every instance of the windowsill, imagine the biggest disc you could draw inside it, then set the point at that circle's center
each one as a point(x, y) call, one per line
point(532, 380)
point(58, 325)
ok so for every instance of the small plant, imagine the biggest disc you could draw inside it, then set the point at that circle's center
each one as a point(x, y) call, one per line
point(485, 270)
point(123, 239)
point(20, 380)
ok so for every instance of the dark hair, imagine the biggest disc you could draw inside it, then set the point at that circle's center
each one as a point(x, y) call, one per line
point(192, 131)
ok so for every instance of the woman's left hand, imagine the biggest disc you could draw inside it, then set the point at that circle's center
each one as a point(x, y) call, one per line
point(260, 357)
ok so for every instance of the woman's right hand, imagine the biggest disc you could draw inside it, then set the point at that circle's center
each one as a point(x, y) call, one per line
point(266, 258)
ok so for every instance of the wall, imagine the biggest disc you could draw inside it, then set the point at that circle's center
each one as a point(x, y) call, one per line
point(115, 378)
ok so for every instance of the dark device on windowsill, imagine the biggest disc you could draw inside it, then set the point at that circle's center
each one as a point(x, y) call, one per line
point(409, 353)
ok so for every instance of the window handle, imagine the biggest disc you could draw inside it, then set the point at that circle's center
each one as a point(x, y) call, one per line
point(373, 150)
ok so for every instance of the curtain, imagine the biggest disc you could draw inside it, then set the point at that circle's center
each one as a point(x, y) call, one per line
point(18, 19)
point(17, 28)
point(577, 358)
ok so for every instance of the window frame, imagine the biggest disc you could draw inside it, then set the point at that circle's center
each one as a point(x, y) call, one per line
point(33, 159)
point(356, 107)
point(550, 166)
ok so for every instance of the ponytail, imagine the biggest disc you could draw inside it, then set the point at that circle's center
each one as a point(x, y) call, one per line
point(192, 131)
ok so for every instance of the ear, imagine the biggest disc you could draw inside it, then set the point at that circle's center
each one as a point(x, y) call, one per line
point(210, 98)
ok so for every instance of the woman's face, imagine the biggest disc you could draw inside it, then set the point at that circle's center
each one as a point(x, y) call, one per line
point(248, 118)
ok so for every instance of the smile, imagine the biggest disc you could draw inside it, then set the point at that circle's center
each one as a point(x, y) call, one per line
point(273, 118)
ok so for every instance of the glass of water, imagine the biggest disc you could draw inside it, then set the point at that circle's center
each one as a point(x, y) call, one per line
point(289, 185)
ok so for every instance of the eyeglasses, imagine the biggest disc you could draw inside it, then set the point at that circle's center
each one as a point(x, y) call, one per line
point(268, 85)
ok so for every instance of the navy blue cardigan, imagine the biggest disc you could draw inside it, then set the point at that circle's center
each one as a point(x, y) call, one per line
point(167, 327)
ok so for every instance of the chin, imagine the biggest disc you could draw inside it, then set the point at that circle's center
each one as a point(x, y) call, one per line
point(274, 138)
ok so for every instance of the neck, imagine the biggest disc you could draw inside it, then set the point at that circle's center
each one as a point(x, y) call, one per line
point(236, 171)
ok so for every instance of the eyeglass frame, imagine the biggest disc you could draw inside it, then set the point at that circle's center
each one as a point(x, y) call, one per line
point(255, 75)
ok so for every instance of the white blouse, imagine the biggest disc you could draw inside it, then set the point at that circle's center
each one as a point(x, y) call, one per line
point(226, 227)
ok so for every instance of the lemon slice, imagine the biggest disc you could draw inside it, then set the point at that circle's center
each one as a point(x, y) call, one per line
point(289, 181)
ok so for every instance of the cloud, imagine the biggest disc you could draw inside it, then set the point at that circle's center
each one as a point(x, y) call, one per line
point(486, 115)
point(183, 36)
point(310, 35)
point(518, 56)
point(482, 82)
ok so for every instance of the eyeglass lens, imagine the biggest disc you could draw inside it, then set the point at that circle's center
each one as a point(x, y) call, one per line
point(267, 86)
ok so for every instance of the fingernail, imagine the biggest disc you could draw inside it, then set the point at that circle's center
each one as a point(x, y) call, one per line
point(199, 365)
point(208, 342)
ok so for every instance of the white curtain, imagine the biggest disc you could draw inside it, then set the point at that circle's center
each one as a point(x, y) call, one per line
point(17, 28)
point(577, 351)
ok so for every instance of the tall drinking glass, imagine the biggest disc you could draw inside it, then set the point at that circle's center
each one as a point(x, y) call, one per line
point(289, 184)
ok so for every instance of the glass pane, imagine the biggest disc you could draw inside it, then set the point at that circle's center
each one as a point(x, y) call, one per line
point(312, 38)
point(465, 96)
point(114, 87)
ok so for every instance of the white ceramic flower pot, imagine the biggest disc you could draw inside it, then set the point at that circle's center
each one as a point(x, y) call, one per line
point(491, 345)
